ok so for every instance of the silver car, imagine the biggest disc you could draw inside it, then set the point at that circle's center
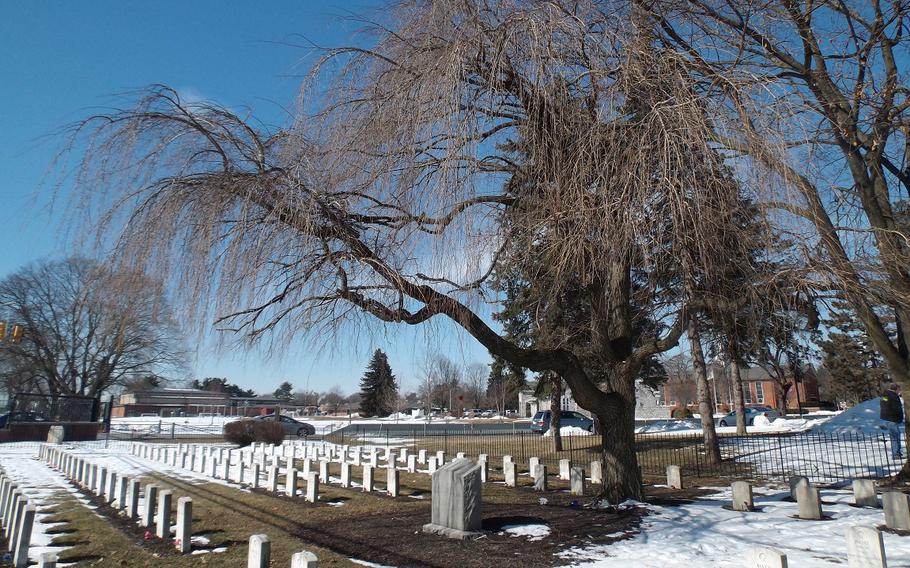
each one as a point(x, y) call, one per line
point(291, 427)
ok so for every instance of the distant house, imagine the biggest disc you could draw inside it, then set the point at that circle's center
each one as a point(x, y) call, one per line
point(166, 402)
point(647, 404)
point(170, 402)
point(758, 388)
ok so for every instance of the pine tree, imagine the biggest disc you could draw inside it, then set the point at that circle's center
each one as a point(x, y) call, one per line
point(284, 392)
point(378, 387)
point(855, 368)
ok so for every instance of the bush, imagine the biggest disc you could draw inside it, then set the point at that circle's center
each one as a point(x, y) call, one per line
point(245, 432)
point(680, 412)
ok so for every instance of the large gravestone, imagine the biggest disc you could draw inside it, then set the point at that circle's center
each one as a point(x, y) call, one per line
point(456, 507)
point(55, 435)
point(865, 548)
point(897, 510)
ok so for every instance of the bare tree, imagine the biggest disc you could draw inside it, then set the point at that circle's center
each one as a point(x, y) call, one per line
point(462, 130)
point(475, 384)
point(86, 329)
point(812, 94)
point(333, 399)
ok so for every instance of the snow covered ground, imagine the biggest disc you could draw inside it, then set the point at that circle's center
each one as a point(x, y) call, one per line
point(43, 486)
point(696, 535)
point(705, 535)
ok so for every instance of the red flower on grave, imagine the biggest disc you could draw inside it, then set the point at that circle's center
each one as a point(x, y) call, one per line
point(147, 535)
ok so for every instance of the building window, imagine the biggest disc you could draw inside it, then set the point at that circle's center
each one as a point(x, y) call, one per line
point(760, 393)
point(747, 392)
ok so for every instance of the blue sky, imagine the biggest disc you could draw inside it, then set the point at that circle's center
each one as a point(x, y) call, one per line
point(61, 60)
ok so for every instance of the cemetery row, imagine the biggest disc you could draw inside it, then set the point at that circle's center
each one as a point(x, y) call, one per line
point(865, 546)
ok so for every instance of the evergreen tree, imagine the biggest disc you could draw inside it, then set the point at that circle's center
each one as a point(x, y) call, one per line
point(855, 368)
point(284, 392)
point(378, 387)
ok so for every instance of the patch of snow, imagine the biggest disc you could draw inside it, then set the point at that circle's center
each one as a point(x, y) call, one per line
point(568, 431)
point(532, 532)
point(370, 564)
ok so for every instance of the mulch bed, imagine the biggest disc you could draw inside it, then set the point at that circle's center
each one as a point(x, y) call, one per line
point(398, 538)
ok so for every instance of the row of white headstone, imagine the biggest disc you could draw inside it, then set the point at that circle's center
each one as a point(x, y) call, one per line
point(123, 494)
point(17, 516)
point(865, 546)
point(245, 466)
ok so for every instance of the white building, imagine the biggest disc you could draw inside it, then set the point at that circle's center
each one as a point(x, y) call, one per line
point(647, 405)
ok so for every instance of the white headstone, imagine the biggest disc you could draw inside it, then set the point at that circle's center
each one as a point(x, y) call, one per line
point(290, 482)
point(509, 471)
point(148, 511)
point(742, 496)
point(393, 487)
point(539, 473)
point(865, 548)
point(597, 472)
point(565, 467)
point(304, 560)
point(674, 477)
point(763, 557)
point(809, 500)
point(312, 487)
point(864, 493)
point(368, 478)
point(577, 481)
point(164, 514)
point(259, 555)
point(184, 536)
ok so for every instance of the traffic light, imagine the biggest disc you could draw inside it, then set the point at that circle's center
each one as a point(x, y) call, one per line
point(16, 335)
point(2, 330)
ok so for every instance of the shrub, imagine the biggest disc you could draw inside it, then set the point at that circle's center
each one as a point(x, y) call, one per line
point(245, 432)
point(680, 412)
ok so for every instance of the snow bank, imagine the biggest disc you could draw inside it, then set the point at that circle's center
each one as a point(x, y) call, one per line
point(669, 426)
point(569, 431)
point(861, 419)
point(703, 534)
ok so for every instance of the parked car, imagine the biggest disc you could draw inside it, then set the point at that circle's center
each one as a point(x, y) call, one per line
point(751, 412)
point(291, 427)
point(541, 421)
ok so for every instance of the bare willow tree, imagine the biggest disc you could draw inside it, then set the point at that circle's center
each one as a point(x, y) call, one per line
point(463, 129)
point(86, 328)
point(816, 94)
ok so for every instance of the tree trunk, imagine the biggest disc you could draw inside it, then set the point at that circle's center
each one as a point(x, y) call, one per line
point(621, 475)
point(703, 392)
point(739, 400)
point(556, 412)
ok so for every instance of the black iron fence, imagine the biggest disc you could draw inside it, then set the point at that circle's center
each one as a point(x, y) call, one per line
point(38, 407)
point(822, 457)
